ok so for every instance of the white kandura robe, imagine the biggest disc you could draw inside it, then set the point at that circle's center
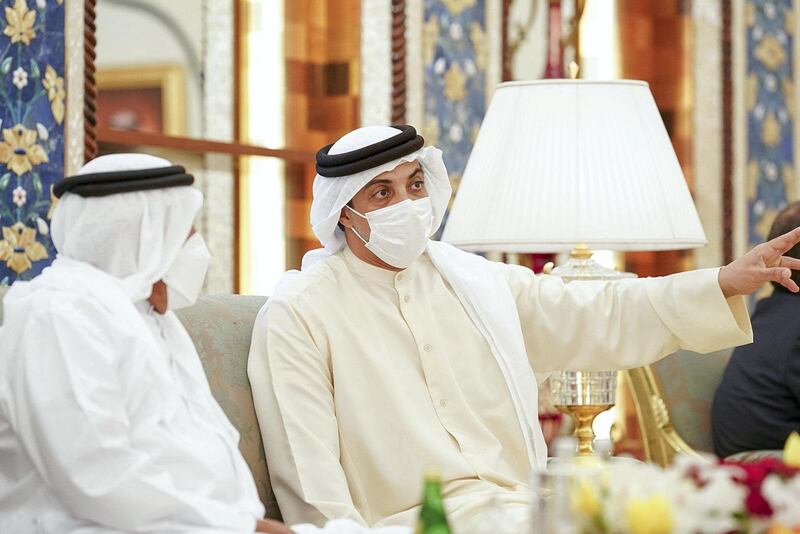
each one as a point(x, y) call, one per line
point(362, 378)
point(107, 423)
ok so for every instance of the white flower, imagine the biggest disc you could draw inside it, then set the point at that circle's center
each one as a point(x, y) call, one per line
point(710, 507)
point(456, 31)
point(783, 116)
point(20, 78)
point(758, 207)
point(469, 67)
point(41, 4)
point(758, 32)
point(783, 497)
point(769, 10)
point(20, 196)
point(43, 133)
point(758, 111)
point(770, 82)
point(42, 226)
point(439, 66)
point(771, 171)
point(456, 133)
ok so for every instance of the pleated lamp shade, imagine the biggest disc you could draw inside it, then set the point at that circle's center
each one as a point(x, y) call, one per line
point(558, 163)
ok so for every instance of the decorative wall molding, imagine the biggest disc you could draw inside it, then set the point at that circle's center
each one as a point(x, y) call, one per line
point(74, 78)
point(728, 133)
point(739, 129)
point(398, 61)
point(216, 179)
point(708, 128)
point(376, 62)
point(505, 53)
point(415, 81)
point(495, 33)
point(89, 86)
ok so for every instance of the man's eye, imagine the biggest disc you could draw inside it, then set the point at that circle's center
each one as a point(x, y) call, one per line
point(417, 186)
point(381, 193)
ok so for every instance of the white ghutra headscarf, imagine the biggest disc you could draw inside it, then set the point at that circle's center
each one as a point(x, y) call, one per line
point(135, 236)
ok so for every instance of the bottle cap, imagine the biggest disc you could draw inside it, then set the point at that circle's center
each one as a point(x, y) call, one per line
point(432, 474)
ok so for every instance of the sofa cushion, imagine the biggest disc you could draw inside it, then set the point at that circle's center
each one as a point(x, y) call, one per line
point(221, 327)
point(689, 381)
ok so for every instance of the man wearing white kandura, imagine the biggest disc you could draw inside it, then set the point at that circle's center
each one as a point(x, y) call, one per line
point(107, 423)
point(390, 353)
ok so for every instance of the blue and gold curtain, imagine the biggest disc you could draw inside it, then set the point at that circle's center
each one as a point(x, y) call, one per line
point(455, 55)
point(769, 93)
point(32, 111)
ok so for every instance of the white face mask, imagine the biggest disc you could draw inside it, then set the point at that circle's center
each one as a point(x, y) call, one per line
point(187, 273)
point(399, 233)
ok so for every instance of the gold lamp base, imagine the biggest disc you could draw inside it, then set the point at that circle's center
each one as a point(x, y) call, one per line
point(584, 415)
point(594, 394)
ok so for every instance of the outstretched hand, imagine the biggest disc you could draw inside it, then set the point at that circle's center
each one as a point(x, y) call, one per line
point(764, 263)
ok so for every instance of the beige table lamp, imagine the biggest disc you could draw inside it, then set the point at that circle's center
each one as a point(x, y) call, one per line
point(570, 166)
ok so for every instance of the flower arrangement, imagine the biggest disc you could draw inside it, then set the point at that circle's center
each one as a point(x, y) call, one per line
point(692, 496)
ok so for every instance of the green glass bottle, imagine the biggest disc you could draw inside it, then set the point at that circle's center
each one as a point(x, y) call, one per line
point(432, 517)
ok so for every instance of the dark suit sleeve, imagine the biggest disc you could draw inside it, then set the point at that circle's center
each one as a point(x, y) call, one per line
point(792, 369)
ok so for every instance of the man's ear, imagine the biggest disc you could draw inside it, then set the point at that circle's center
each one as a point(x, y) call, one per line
point(159, 298)
point(345, 219)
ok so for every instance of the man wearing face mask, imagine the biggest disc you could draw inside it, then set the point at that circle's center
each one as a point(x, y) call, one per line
point(107, 423)
point(390, 353)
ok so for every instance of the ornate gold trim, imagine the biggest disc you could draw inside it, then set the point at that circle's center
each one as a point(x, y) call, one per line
point(169, 78)
point(661, 441)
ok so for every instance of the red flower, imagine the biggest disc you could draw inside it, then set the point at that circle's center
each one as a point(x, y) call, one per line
point(752, 477)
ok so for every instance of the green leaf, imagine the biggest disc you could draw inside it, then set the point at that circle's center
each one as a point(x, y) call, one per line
point(37, 184)
point(4, 181)
point(5, 66)
point(35, 72)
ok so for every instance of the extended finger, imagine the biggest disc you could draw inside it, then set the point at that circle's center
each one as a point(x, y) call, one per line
point(776, 274)
point(790, 284)
point(791, 263)
point(786, 241)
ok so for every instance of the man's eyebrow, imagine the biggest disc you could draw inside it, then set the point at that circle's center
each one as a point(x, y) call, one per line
point(413, 173)
point(378, 181)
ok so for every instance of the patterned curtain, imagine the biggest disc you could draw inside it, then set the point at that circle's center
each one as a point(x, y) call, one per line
point(32, 111)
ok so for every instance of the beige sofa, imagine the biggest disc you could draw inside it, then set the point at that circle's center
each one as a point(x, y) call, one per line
point(221, 326)
point(673, 397)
